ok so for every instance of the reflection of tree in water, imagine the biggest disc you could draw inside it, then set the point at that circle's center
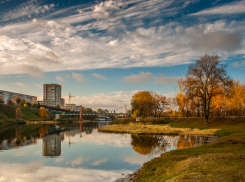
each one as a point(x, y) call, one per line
point(43, 130)
point(190, 141)
point(150, 145)
point(17, 142)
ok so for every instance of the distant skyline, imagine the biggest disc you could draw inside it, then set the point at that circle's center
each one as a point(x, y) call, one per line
point(103, 52)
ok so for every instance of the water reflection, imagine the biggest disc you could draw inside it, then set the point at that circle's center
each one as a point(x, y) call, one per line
point(153, 145)
point(52, 145)
point(190, 141)
point(78, 152)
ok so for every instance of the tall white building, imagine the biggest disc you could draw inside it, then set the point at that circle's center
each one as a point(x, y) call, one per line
point(52, 94)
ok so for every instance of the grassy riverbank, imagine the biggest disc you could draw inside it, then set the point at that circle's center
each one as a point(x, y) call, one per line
point(222, 160)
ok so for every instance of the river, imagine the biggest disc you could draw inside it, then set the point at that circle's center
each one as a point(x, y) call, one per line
point(80, 153)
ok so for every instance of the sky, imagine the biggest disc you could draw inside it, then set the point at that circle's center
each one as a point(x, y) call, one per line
point(103, 52)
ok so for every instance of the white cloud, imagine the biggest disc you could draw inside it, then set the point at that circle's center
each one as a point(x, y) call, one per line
point(60, 78)
point(135, 159)
point(56, 45)
point(162, 79)
point(233, 8)
point(79, 77)
point(238, 64)
point(38, 85)
point(103, 9)
point(98, 162)
point(21, 84)
point(59, 159)
point(99, 76)
point(29, 9)
point(142, 77)
point(112, 43)
point(106, 101)
point(79, 160)
point(35, 172)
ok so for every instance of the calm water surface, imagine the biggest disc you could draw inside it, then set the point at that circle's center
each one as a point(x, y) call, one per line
point(79, 154)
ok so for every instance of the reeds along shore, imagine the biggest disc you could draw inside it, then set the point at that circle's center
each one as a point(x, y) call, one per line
point(155, 129)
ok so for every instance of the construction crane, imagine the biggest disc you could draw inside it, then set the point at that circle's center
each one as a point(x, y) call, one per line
point(70, 96)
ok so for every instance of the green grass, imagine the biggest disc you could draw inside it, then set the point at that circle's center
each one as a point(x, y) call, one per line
point(222, 160)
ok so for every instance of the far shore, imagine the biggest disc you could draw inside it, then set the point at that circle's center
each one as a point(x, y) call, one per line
point(57, 122)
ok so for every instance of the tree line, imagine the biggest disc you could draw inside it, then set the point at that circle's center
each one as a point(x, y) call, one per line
point(205, 91)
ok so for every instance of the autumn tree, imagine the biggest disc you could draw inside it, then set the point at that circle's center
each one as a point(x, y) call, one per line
point(58, 106)
point(17, 100)
point(23, 102)
point(43, 113)
point(40, 111)
point(204, 77)
point(236, 101)
point(160, 103)
point(18, 113)
point(1, 100)
point(142, 103)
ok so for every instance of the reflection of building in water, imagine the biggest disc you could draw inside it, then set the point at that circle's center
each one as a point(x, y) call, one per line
point(52, 145)
point(8, 144)
point(190, 141)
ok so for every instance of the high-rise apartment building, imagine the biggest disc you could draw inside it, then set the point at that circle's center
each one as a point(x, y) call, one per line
point(51, 94)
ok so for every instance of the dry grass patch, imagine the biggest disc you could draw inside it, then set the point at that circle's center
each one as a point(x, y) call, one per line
point(155, 129)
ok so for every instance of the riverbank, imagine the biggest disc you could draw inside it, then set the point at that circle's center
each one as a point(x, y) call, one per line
point(56, 122)
point(222, 160)
point(141, 129)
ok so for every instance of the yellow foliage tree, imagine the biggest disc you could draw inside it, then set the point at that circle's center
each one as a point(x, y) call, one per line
point(40, 111)
point(43, 113)
point(18, 113)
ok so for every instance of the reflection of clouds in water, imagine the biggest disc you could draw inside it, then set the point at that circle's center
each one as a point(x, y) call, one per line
point(98, 162)
point(38, 173)
point(59, 159)
point(116, 140)
point(79, 160)
point(38, 152)
point(135, 159)
point(21, 153)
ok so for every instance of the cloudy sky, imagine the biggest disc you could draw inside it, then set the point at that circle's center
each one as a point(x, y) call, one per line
point(105, 51)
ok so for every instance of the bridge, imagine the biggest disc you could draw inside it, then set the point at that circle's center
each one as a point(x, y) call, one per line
point(95, 114)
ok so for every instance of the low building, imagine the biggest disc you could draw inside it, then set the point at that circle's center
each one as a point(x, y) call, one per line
point(40, 102)
point(62, 103)
point(71, 107)
point(6, 96)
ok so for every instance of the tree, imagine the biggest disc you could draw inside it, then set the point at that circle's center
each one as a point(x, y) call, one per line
point(161, 102)
point(34, 105)
point(1, 100)
point(44, 113)
point(18, 113)
point(10, 102)
point(17, 100)
point(40, 111)
point(203, 79)
point(58, 106)
point(23, 102)
point(143, 102)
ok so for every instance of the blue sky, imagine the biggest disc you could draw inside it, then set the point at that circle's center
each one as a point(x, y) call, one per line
point(105, 51)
